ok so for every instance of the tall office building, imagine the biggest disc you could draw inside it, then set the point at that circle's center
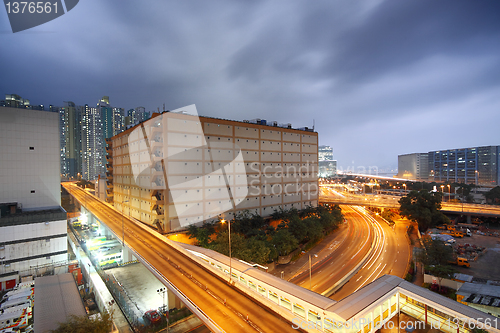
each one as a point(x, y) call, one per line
point(32, 223)
point(71, 140)
point(474, 165)
point(413, 166)
point(213, 167)
point(93, 158)
point(327, 166)
point(325, 153)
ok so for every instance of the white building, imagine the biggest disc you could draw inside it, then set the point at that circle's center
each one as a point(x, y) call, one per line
point(32, 223)
point(211, 167)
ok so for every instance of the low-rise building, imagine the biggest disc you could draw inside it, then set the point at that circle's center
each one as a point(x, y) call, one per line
point(483, 297)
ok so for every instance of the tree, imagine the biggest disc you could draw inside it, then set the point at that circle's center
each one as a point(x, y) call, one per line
point(493, 195)
point(314, 229)
point(437, 258)
point(84, 324)
point(256, 250)
point(221, 243)
point(284, 242)
point(436, 252)
point(297, 228)
point(441, 272)
point(423, 207)
point(192, 231)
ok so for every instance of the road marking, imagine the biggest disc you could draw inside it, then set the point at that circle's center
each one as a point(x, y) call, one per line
point(332, 245)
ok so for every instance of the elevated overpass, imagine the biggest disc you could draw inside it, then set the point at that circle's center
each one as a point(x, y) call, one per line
point(257, 301)
point(386, 201)
point(221, 307)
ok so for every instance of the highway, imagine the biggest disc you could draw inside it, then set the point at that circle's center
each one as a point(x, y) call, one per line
point(350, 252)
point(391, 256)
point(187, 275)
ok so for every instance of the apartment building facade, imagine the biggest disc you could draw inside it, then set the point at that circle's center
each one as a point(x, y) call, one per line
point(177, 169)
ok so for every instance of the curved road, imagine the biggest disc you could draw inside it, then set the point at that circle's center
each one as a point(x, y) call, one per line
point(391, 256)
point(333, 268)
point(181, 271)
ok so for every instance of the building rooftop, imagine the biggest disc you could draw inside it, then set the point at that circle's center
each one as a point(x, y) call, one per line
point(484, 294)
point(56, 298)
point(348, 307)
point(255, 122)
point(33, 216)
point(361, 299)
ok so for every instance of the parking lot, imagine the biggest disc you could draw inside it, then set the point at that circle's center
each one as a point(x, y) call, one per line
point(141, 286)
point(487, 266)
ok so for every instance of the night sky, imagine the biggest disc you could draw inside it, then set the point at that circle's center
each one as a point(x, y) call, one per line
point(378, 78)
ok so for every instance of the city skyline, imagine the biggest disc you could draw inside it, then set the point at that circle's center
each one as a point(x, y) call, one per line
point(376, 79)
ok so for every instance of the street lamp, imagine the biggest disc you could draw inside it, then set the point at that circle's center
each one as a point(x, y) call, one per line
point(310, 274)
point(229, 230)
point(449, 192)
point(163, 291)
point(123, 226)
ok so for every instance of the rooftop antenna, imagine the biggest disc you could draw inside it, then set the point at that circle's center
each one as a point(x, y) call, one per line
point(163, 107)
point(313, 124)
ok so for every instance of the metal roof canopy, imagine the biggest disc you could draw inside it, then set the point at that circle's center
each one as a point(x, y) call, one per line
point(56, 298)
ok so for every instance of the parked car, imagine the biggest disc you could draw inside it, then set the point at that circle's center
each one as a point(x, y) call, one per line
point(153, 316)
point(104, 249)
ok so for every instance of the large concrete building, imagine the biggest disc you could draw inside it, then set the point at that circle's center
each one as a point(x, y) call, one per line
point(178, 169)
point(475, 165)
point(32, 223)
point(413, 166)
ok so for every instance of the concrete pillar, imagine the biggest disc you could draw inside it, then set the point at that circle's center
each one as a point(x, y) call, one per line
point(174, 302)
point(107, 233)
point(469, 218)
point(127, 255)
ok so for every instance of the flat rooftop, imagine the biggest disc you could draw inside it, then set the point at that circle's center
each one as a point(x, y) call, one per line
point(56, 298)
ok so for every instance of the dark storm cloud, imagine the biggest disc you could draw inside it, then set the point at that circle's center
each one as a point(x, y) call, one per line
point(399, 33)
point(369, 73)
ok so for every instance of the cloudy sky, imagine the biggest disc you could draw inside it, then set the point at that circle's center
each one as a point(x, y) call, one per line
point(378, 78)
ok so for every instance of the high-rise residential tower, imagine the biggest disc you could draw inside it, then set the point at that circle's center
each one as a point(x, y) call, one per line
point(92, 143)
point(71, 140)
